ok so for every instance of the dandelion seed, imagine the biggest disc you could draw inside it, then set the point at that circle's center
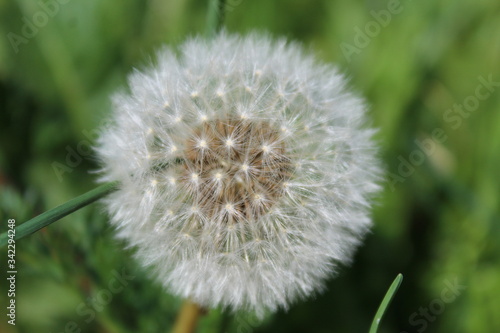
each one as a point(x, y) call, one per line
point(203, 144)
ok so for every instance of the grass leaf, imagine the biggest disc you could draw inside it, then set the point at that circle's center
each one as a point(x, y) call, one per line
point(385, 302)
point(51, 216)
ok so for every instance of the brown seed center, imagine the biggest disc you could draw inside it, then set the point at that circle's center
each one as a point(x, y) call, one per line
point(237, 169)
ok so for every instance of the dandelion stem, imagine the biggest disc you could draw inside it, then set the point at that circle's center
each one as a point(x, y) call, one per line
point(51, 216)
point(215, 16)
point(187, 319)
point(385, 303)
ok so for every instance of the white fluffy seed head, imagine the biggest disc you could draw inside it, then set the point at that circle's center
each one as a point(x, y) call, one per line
point(247, 196)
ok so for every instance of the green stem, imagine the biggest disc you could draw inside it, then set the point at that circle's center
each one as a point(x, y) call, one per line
point(385, 302)
point(215, 16)
point(51, 216)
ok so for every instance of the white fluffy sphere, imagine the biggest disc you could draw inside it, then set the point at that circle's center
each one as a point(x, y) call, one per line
point(245, 171)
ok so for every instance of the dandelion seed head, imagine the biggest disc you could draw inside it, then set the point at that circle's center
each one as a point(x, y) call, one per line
point(253, 184)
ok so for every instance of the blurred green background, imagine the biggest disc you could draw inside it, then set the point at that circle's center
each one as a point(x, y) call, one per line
point(424, 67)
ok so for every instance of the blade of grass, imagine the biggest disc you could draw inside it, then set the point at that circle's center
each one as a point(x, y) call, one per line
point(385, 302)
point(51, 216)
point(215, 16)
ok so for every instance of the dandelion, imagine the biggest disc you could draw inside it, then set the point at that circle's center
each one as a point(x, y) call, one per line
point(245, 168)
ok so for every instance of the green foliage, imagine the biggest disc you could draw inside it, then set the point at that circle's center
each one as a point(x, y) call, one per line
point(438, 221)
